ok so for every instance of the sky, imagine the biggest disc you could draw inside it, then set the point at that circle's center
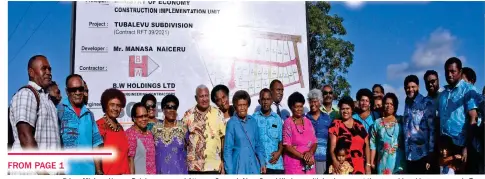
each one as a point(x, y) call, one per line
point(392, 40)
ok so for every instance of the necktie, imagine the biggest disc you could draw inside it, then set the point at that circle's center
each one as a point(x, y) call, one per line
point(278, 110)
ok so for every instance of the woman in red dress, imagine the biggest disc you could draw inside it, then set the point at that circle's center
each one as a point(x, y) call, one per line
point(353, 137)
point(112, 102)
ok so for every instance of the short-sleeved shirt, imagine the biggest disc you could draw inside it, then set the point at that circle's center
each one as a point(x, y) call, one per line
point(205, 132)
point(454, 104)
point(142, 149)
point(321, 126)
point(23, 108)
point(270, 132)
point(78, 133)
point(353, 140)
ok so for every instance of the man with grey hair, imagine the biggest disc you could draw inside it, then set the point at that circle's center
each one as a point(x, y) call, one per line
point(321, 122)
point(207, 129)
point(328, 107)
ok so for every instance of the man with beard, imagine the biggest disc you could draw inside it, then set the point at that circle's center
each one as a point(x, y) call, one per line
point(458, 111)
point(78, 128)
point(32, 115)
point(277, 92)
point(418, 127)
point(328, 107)
point(220, 97)
point(432, 84)
point(270, 130)
point(54, 93)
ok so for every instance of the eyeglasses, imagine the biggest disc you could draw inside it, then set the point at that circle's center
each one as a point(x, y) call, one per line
point(151, 106)
point(431, 81)
point(170, 107)
point(75, 89)
point(327, 92)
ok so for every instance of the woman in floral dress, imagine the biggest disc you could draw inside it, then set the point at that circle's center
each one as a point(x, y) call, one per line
point(386, 139)
point(170, 140)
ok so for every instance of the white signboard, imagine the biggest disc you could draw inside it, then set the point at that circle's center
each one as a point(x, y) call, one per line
point(171, 47)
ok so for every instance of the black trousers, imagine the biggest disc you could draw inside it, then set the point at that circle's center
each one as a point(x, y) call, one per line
point(204, 173)
point(418, 166)
point(274, 172)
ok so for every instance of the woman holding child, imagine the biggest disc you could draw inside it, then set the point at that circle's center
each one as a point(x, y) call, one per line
point(352, 136)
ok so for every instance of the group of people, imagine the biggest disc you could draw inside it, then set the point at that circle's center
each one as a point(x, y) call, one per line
point(441, 133)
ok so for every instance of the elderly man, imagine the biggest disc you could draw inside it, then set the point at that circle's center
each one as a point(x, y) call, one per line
point(321, 122)
point(206, 128)
point(32, 115)
point(328, 107)
point(78, 127)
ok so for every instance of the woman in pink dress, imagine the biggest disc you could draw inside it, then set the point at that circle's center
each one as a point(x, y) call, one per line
point(299, 139)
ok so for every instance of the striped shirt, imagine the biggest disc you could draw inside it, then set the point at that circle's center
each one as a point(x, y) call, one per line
point(23, 109)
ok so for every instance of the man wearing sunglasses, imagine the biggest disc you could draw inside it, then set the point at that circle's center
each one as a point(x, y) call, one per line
point(78, 128)
point(328, 107)
point(432, 84)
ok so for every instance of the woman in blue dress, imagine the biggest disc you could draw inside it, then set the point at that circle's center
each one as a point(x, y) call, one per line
point(243, 150)
point(386, 139)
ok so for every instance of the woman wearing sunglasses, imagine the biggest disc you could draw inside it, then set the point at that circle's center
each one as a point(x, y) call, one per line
point(150, 102)
point(170, 140)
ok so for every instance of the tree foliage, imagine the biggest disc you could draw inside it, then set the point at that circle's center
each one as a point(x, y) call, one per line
point(329, 55)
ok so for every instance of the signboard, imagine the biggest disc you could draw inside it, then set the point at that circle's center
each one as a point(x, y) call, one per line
point(171, 47)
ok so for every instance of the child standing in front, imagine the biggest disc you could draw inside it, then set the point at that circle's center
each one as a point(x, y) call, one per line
point(345, 168)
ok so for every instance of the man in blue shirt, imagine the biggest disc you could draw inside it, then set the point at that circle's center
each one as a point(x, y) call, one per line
point(78, 128)
point(270, 130)
point(432, 84)
point(457, 110)
point(321, 122)
point(418, 126)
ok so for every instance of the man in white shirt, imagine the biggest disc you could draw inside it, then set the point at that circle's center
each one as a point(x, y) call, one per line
point(277, 92)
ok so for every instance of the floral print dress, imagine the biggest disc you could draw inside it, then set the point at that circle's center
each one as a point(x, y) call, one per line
point(386, 138)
